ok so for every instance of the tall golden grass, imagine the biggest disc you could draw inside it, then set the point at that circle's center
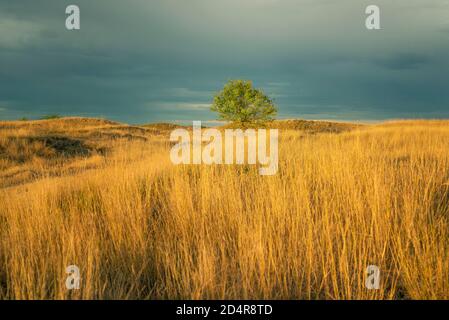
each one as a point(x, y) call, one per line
point(140, 228)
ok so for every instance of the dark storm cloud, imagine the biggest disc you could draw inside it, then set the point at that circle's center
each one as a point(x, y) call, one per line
point(159, 60)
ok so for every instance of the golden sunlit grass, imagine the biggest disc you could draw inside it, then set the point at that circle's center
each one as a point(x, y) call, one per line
point(140, 228)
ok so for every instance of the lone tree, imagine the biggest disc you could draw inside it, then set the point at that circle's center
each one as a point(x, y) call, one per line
point(240, 103)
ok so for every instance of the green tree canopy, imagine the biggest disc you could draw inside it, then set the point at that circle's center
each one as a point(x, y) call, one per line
point(240, 102)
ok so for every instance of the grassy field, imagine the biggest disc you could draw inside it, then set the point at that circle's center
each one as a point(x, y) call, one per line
point(104, 196)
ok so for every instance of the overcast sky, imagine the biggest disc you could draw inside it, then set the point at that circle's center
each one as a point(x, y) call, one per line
point(162, 60)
